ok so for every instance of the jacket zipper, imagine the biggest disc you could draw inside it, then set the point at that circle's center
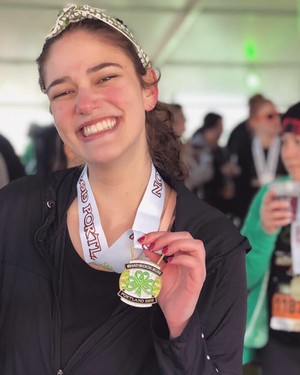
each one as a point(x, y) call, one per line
point(56, 314)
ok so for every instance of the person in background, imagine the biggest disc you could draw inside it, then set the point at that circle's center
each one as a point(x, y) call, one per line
point(46, 152)
point(273, 321)
point(11, 167)
point(4, 179)
point(258, 156)
point(65, 157)
point(241, 135)
point(66, 274)
point(40, 153)
point(203, 142)
point(178, 118)
point(211, 173)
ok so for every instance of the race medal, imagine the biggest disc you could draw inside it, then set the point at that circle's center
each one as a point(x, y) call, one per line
point(295, 251)
point(295, 288)
point(140, 283)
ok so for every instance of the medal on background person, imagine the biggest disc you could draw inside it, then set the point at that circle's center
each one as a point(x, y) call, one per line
point(295, 288)
point(295, 250)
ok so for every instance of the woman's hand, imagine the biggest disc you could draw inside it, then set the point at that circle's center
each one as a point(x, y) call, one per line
point(183, 275)
point(275, 212)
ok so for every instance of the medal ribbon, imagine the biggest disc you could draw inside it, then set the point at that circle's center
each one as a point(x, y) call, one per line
point(93, 240)
point(295, 241)
point(265, 169)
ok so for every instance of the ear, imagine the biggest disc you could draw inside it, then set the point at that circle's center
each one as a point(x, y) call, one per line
point(150, 94)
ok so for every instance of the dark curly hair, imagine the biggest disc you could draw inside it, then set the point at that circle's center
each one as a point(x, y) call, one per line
point(164, 145)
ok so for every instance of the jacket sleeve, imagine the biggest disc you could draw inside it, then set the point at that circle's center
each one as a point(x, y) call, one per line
point(217, 349)
point(257, 260)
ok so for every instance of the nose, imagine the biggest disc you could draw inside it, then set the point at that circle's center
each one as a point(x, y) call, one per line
point(86, 101)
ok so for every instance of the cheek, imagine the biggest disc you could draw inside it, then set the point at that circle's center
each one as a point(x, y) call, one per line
point(116, 94)
point(61, 113)
point(290, 151)
point(122, 95)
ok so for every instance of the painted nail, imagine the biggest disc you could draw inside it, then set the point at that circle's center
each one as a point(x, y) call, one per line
point(167, 258)
point(165, 250)
point(141, 239)
point(151, 246)
point(170, 259)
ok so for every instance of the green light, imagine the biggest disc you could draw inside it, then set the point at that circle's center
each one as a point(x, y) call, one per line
point(250, 50)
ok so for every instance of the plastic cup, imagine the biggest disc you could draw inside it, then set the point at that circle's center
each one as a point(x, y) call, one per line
point(287, 190)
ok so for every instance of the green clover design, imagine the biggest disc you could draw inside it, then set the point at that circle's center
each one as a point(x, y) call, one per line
point(140, 281)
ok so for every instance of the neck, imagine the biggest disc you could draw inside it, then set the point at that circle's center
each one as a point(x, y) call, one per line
point(116, 181)
point(266, 140)
point(118, 191)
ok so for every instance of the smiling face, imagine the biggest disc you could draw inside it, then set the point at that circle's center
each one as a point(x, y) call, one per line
point(290, 153)
point(96, 97)
point(266, 121)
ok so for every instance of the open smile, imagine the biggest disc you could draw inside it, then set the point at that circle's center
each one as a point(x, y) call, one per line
point(99, 127)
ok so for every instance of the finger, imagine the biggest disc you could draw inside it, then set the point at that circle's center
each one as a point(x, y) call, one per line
point(280, 213)
point(192, 263)
point(274, 220)
point(157, 240)
point(279, 204)
point(191, 247)
point(277, 214)
point(270, 196)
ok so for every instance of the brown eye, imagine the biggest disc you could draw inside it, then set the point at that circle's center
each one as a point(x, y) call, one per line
point(61, 94)
point(106, 79)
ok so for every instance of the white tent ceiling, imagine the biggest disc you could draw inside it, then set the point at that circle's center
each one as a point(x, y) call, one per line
point(213, 48)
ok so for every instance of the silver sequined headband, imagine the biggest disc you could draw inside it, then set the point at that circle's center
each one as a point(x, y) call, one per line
point(74, 13)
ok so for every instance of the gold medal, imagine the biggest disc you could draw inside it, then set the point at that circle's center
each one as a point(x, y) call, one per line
point(140, 283)
point(295, 288)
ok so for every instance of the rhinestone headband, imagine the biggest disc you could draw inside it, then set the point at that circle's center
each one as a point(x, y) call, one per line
point(74, 13)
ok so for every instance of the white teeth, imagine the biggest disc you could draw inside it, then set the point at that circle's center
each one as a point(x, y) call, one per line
point(99, 127)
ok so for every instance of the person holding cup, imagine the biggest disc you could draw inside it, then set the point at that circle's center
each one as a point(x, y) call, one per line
point(272, 226)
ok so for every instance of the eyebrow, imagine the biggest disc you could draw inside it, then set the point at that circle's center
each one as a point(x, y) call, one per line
point(89, 71)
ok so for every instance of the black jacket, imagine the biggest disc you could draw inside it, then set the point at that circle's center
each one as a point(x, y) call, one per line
point(32, 238)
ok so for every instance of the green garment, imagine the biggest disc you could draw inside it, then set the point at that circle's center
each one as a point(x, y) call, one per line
point(258, 269)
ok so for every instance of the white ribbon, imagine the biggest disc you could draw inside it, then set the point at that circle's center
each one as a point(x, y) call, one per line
point(92, 236)
point(295, 241)
point(265, 168)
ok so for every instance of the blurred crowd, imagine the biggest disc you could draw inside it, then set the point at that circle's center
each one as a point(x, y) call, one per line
point(228, 177)
point(44, 153)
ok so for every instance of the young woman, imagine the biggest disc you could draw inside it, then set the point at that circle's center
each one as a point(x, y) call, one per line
point(62, 304)
point(273, 321)
point(258, 155)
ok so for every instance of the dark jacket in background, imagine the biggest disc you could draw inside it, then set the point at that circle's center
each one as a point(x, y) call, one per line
point(14, 166)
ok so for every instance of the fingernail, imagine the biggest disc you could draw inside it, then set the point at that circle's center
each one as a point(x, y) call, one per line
point(165, 250)
point(141, 239)
point(170, 259)
point(151, 246)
